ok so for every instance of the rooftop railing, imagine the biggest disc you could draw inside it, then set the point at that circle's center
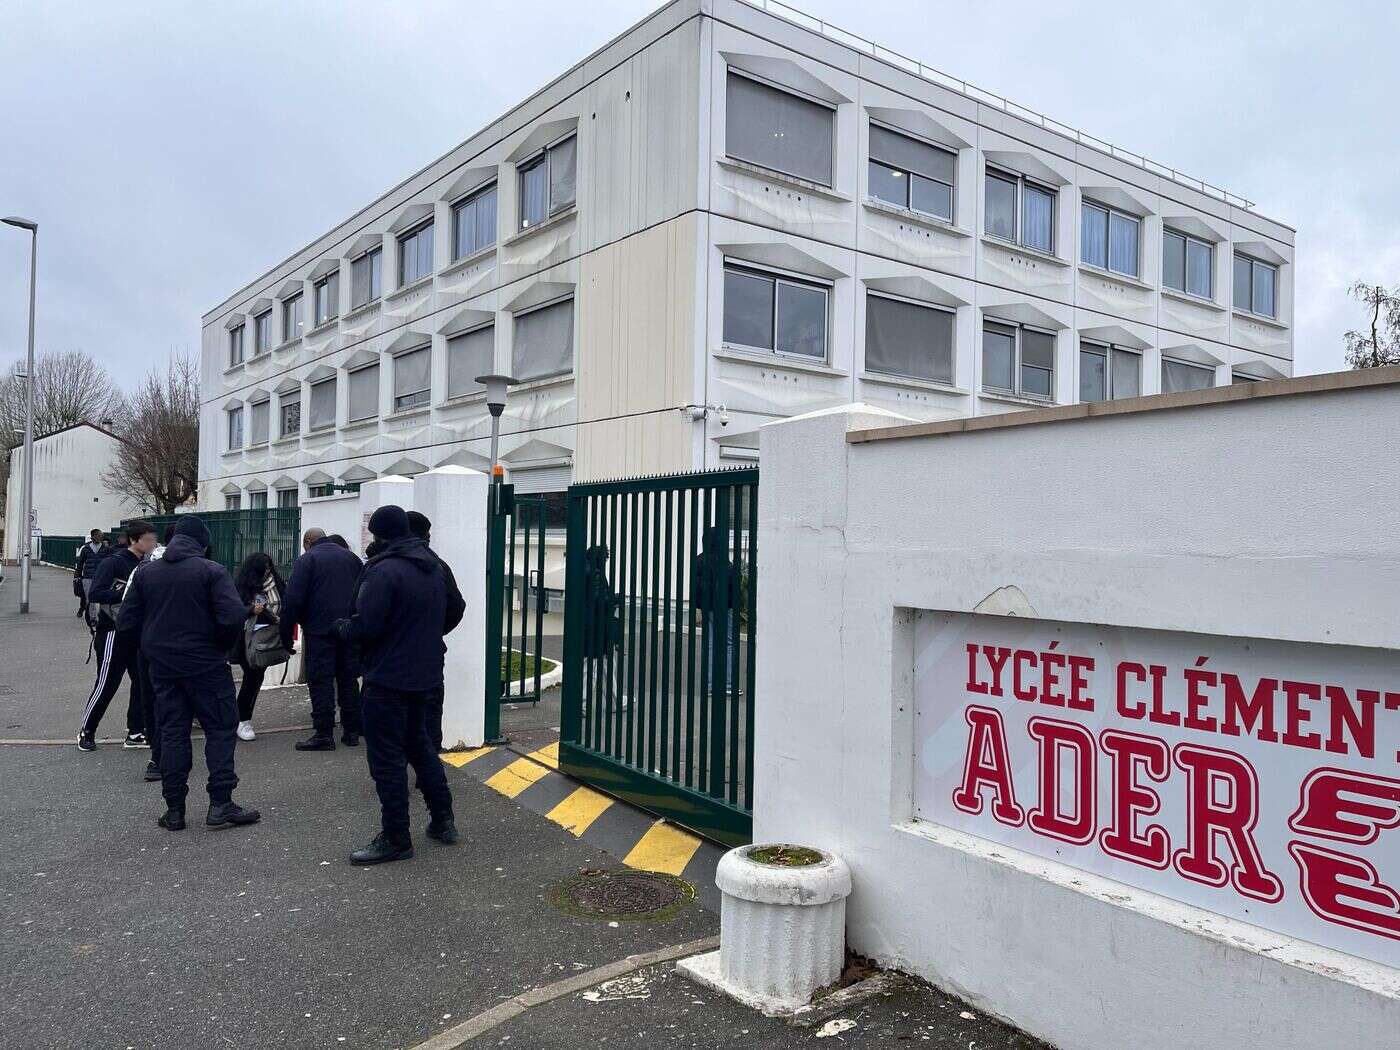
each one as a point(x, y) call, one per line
point(991, 98)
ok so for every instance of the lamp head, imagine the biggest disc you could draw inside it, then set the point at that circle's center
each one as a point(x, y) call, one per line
point(496, 387)
point(23, 224)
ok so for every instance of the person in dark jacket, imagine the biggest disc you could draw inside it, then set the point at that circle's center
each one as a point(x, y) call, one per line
point(116, 655)
point(143, 669)
point(85, 568)
point(420, 526)
point(717, 597)
point(257, 582)
point(189, 614)
point(320, 592)
point(403, 609)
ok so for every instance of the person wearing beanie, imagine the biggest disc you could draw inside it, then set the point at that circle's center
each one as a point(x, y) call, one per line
point(320, 592)
point(187, 614)
point(404, 607)
point(420, 526)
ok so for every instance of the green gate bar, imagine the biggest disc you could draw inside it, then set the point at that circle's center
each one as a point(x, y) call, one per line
point(514, 524)
point(659, 646)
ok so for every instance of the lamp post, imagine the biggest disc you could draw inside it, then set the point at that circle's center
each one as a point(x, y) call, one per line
point(27, 524)
point(496, 387)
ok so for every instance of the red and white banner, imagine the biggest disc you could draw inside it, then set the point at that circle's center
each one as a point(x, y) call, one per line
point(1256, 779)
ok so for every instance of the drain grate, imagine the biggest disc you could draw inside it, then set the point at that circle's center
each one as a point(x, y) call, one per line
point(625, 894)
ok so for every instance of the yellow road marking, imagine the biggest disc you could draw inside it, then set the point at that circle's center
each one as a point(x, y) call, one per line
point(664, 847)
point(516, 777)
point(548, 755)
point(461, 758)
point(577, 813)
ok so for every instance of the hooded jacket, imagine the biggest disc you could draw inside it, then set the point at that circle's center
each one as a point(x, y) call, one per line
point(109, 584)
point(321, 590)
point(186, 608)
point(404, 607)
point(89, 558)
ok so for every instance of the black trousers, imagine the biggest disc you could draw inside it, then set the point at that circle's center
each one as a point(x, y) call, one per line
point(207, 696)
point(116, 657)
point(248, 690)
point(332, 673)
point(432, 717)
point(148, 706)
point(395, 738)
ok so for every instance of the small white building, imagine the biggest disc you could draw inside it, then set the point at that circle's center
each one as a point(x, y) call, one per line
point(69, 497)
point(722, 218)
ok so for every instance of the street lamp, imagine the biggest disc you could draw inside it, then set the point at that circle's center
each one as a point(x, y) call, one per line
point(496, 387)
point(27, 524)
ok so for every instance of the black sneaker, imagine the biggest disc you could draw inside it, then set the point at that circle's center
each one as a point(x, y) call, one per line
point(86, 742)
point(317, 742)
point(445, 831)
point(152, 772)
point(226, 814)
point(350, 739)
point(135, 740)
point(174, 819)
point(381, 851)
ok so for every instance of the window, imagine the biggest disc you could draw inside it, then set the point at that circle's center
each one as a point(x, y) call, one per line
point(363, 394)
point(474, 223)
point(262, 333)
point(908, 339)
point(257, 501)
point(317, 491)
point(1188, 264)
point(261, 413)
point(286, 497)
point(1239, 378)
point(468, 356)
point(235, 428)
point(291, 416)
point(291, 318)
point(1018, 360)
point(1183, 375)
point(232, 502)
point(543, 343)
point(766, 312)
point(911, 174)
point(1107, 373)
point(1108, 239)
point(779, 130)
point(413, 378)
point(235, 346)
point(322, 412)
point(1020, 211)
point(415, 255)
point(327, 297)
point(548, 182)
point(364, 278)
point(1254, 286)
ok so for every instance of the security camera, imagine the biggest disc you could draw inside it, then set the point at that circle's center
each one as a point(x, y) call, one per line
point(723, 416)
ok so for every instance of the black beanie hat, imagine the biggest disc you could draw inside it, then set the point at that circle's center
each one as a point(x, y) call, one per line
point(192, 525)
point(419, 525)
point(389, 523)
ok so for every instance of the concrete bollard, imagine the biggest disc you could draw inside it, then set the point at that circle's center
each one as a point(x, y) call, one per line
point(782, 927)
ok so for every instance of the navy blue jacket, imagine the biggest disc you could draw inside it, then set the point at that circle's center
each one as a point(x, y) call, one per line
point(321, 590)
point(404, 606)
point(110, 580)
point(88, 559)
point(187, 610)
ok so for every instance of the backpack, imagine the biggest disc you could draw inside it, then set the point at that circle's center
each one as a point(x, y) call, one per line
point(263, 643)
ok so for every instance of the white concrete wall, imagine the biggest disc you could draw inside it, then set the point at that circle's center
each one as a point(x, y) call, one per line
point(1053, 520)
point(337, 515)
point(68, 492)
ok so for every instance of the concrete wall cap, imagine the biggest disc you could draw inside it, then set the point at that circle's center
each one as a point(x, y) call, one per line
point(821, 883)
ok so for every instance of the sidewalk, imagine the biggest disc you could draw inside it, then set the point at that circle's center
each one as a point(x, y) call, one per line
point(119, 934)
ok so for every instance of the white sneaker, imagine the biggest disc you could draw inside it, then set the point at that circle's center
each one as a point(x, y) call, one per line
point(245, 731)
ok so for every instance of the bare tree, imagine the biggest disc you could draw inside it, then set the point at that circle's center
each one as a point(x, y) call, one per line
point(69, 388)
point(158, 461)
point(1381, 344)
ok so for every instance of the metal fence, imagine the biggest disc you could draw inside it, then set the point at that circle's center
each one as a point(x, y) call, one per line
point(60, 550)
point(659, 645)
point(235, 534)
point(515, 600)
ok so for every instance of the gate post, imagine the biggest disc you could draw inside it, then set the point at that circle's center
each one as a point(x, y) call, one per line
point(454, 500)
point(496, 503)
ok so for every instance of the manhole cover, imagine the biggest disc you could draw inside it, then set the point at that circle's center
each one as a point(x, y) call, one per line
point(624, 894)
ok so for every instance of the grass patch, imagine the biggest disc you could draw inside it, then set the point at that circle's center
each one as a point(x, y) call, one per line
point(786, 856)
point(515, 663)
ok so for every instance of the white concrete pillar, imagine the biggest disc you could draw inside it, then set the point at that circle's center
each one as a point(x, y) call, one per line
point(454, 500)
point(375, 494)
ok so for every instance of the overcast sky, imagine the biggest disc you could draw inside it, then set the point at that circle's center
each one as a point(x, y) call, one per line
point(171, 152)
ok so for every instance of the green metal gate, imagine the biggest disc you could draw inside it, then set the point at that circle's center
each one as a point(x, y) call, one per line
point(659, 645)
point(516, 601)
